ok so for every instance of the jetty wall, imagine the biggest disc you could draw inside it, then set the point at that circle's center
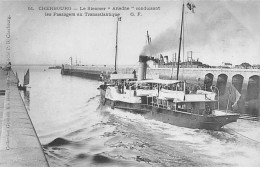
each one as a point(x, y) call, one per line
point(93, 72)
point(19, 143)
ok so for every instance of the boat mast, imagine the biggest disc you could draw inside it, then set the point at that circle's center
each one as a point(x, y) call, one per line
point(118, 19)
point(180, 42)
point(148, 42)
point(148, 38)
point(173, 59)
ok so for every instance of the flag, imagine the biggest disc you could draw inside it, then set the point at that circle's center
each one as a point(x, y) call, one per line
point(191, 6)
point(234, 95)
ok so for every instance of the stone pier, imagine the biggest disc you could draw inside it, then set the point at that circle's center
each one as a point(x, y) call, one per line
point(19, 143)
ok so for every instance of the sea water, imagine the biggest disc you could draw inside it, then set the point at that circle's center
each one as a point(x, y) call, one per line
point(75, 131)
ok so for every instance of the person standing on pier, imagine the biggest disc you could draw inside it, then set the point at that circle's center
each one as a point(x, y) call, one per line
point(8, 67)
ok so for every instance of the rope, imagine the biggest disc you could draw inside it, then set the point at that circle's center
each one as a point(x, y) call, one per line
point(239, 133)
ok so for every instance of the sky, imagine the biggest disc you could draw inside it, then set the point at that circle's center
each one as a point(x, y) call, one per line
point(218, 31)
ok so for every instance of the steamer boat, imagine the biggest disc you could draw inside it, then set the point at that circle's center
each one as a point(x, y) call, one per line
point(176, 102)
point(170, 101)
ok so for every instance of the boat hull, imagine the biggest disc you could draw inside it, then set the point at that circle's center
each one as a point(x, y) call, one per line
point(178, 118)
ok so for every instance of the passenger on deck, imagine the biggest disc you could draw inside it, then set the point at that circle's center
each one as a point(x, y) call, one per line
point(127, 86)
point(103, 86)
point(174, 87)
point(134, 72)
point(208, 110)
point(159, 88)
point(179, 87)
point(119, 87)
point(116, 83)
point(123, 88)
point(187, 90)
point(101, 76)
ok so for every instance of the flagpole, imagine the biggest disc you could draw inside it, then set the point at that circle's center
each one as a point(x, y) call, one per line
point(116, 43)
point(179, 54)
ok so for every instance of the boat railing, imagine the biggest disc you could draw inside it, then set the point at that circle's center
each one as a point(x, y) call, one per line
point(161, 103)
point(176, 106)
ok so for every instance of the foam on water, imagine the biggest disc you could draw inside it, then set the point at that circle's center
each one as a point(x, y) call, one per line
point(221, 147)
point(127, 116)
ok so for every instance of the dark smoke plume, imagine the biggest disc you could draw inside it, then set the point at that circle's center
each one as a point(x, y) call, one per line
point(212, 26)
point(165, 41)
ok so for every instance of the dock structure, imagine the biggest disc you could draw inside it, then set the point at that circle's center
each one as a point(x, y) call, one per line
point(19, 143)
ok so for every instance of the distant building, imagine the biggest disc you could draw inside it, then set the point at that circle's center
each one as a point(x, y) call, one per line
point(239, 67)
point(226, 65)
point(256, 66)
point(163, 62)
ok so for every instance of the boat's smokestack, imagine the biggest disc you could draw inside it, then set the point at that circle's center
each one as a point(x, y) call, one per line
point(161, 59)
point(166, 59)
point(142, 67)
